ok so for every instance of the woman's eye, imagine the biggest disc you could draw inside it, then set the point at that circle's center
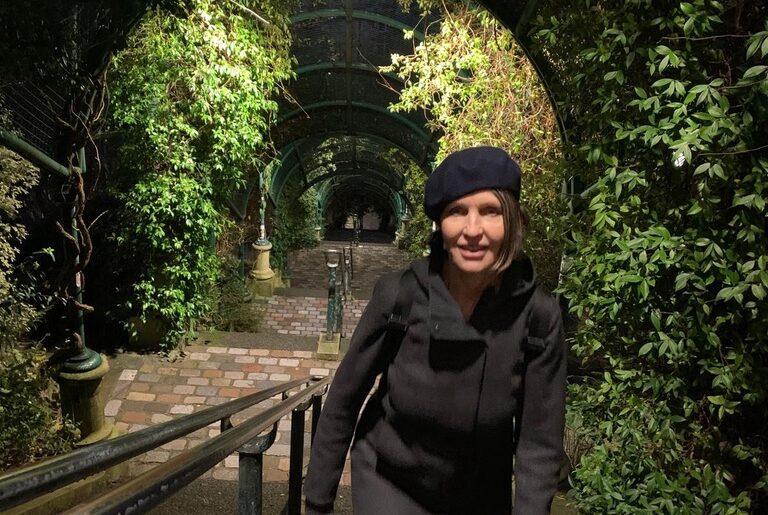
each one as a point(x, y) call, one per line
point(491, 211)
point(455, 210)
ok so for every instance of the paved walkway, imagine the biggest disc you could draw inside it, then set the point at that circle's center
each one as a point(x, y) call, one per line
point(150, 390)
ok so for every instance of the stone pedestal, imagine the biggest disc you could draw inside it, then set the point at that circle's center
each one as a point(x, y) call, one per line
point(329, 349)
point(262, 276)
point(318, 233)
point(81, 401)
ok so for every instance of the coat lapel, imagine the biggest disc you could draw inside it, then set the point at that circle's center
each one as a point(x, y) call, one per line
point(446, 322)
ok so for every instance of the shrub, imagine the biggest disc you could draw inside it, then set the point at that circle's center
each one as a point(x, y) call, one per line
point(31, 426)
point(293, 226)
point(192, 102)
point(233, 306)
point(668, 104)
point(168, 223)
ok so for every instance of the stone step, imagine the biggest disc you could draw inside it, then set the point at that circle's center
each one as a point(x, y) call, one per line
point(369, 262)
point(305, 316)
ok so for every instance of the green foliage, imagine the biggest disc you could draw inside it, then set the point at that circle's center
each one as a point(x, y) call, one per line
point(17, 312)
point(668, 106)
point(169, 221)
point(30, 424)
point(233, 306)
point(192, 102)
point(414, 238)
point(294, 223)
point(193, 93)
point(478, 88)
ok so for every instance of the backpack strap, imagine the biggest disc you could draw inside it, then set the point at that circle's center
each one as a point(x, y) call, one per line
point(533, 345)
point(535, 342)
point(398, 319)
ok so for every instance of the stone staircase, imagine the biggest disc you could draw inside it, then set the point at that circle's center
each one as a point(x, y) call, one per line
point(369, 262)
point(300, 310)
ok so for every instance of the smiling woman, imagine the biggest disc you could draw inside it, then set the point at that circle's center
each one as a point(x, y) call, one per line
point(475, 380)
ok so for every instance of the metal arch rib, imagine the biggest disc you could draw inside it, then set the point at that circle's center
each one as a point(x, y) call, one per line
point(340, 66)
point(357, 15)
point(287, 150)
point(423, 135)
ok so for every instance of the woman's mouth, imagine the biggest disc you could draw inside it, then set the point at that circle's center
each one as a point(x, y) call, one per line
point(468, 252)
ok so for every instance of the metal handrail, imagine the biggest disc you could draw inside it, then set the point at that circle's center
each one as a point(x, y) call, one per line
point(147, 490)
point(25, 484)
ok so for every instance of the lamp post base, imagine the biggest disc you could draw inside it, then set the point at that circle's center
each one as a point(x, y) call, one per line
point(81, 401)
point(329, 349)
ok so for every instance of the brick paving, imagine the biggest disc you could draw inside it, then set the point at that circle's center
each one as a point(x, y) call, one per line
point(157, 391)
point(306, 316)
point(369, 261)
point(152, 390)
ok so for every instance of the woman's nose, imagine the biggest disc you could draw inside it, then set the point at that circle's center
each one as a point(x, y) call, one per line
point(473, 227)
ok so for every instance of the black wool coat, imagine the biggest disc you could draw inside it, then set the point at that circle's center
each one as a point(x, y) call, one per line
point(455, 404)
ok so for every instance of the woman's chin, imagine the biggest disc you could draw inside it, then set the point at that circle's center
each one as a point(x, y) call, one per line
point(472, 266)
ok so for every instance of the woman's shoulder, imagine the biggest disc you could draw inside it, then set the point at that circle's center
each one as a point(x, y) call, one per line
point(545, 305)
point(389, 284)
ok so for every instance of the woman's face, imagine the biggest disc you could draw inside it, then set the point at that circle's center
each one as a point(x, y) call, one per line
point(473, 231)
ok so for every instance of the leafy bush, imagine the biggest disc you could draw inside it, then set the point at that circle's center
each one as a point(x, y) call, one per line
point(192, 103)
point(294, 223)
point(233, 306)
point(169, 222)
point(669, 264)
point(31, 425)
point(17, 313)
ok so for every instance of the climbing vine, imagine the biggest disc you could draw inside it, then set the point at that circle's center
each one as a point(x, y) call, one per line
point(477, 88)
point(193, 97)
point(667, 109)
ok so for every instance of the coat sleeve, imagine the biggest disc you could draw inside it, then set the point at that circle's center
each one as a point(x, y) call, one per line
point(365, 359)
point(540, 447)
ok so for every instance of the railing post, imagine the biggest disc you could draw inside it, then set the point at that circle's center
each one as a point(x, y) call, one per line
point(330, 315)
point(226, 423)
point(347, 276)
point(250, 473)
point(296, 462)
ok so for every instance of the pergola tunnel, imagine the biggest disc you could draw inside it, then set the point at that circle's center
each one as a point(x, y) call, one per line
point(197, 198)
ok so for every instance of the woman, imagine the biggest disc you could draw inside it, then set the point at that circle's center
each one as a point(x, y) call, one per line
point(477, 378)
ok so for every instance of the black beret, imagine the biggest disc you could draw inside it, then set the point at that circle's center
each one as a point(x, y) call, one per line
point(466, 171)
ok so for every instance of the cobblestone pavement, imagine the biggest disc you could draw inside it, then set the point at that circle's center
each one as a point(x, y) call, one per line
point(156, 391)
point(306, 316)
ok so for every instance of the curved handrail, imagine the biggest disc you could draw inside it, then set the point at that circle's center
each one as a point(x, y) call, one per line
point(26, 483)
point(150, 488)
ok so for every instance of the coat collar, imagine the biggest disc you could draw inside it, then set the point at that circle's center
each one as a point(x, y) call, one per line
point(446, 321)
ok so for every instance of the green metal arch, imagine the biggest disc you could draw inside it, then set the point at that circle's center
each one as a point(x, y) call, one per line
point(339, 66)
point(328, 190)
point(280, 179)
point(423, 135)
point(350, 172)
point(357, 15)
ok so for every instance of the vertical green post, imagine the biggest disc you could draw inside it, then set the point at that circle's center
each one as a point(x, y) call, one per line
point(81, 375)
